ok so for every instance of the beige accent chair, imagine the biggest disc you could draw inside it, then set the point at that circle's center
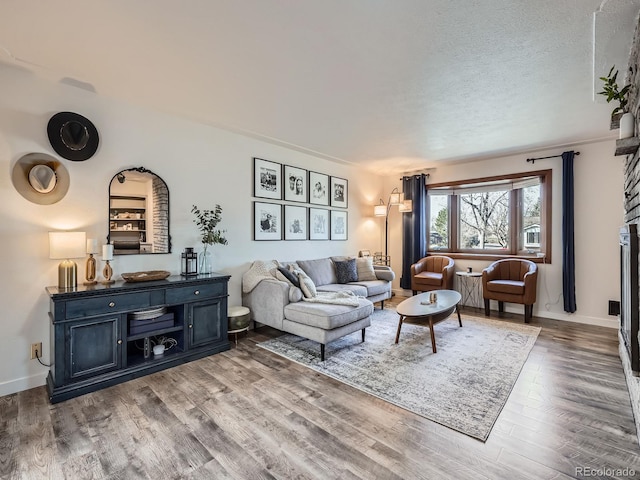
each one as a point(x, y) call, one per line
point(434, 272)
point(513, 281)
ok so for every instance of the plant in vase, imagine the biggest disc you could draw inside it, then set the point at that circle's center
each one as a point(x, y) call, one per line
point(613, 92)
point(207, 220)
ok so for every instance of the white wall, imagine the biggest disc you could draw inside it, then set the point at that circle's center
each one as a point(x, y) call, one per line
point(598, 215)
point(200, 164)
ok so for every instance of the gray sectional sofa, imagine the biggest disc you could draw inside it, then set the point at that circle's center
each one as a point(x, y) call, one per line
point(279, 304)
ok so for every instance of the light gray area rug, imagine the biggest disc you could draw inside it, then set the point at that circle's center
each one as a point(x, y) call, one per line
point(464, 386)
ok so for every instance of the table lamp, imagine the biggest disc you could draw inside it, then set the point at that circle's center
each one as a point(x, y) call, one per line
point(90, 268)
point(107, 255)
point(67, 245)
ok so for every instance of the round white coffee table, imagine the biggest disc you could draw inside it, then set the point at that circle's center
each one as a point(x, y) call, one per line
point(417, 309)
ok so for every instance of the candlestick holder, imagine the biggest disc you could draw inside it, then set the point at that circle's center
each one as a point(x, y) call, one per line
point(107, 273)
point(107, 256)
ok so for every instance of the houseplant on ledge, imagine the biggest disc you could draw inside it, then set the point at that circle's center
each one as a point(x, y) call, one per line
point(207, 220)
point(612, 92)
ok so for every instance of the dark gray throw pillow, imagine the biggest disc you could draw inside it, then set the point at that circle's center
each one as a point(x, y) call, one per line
point(290, 276)
point(346, 271)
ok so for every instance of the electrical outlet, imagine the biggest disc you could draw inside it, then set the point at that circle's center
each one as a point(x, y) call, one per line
point(614, 307)
point(36, 350)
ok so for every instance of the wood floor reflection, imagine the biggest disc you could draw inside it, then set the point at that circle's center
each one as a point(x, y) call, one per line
point(249, 414)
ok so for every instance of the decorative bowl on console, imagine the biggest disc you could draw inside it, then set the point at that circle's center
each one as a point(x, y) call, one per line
point(147, 276)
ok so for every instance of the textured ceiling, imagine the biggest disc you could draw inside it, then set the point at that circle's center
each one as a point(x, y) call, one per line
point(393, 85)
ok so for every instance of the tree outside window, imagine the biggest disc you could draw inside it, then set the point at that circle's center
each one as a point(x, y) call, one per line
point(508, 215)
point(484, 220)
point(439, 222)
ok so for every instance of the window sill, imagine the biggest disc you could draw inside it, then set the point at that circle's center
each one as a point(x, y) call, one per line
point(492, 257)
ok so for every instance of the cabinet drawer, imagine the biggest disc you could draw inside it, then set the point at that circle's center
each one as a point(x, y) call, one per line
point(194, 292)
point(107, 304)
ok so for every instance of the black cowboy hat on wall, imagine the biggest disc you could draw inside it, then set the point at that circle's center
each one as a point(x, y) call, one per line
point(72, 136)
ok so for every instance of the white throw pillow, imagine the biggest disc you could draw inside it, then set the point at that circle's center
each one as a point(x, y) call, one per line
point(295, 294)
point(365, 269)
point(306, 284)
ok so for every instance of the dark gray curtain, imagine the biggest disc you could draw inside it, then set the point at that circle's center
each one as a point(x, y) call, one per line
point(414, 226)
point(568, 252)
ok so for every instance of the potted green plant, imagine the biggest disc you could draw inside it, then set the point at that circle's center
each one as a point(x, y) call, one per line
point(207, 220)
point(611, 90)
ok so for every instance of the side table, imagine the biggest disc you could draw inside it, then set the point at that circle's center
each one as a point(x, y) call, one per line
point(470, 288)
point(239, 319)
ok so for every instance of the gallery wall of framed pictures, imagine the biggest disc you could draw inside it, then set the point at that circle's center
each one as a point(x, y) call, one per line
point(324, 218)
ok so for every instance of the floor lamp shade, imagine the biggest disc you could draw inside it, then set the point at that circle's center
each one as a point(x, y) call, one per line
point(65, 246)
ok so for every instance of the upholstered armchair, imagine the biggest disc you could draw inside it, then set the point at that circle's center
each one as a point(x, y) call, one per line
point(513, 281)
point(434, 272)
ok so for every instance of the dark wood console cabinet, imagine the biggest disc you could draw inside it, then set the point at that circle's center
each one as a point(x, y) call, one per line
point(91, 343)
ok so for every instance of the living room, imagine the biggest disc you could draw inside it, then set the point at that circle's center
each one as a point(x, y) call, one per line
point(206, 163)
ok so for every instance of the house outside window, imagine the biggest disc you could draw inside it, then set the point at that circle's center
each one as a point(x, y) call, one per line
point(493, 216)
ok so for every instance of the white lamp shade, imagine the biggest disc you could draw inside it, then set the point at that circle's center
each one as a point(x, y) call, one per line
point(92, 245)
point(380, 210)
point(107, 252)
point(406, 206)
point(396, 198)
point(64, 245)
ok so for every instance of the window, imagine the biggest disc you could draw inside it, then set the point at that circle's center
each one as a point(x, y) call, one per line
point(496, 216)
point(439, 222)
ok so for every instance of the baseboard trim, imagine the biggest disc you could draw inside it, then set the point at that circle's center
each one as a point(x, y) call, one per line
point(21, 384)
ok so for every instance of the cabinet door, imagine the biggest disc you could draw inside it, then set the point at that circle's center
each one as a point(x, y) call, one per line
point(207, 322)
point(93, 347)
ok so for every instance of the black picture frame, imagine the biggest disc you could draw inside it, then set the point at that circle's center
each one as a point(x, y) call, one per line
point(318, 188)
point(339, 192)
point(339, 224)
point(296, 184)
point(319, 228)
point(267, 221)
point(267, 179)
point(296, 222)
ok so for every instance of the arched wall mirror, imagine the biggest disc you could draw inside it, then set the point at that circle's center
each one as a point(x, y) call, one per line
point(138, 213)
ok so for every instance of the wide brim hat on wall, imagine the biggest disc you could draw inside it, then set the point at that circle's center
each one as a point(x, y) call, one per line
point(73, 136)
point(40, 178)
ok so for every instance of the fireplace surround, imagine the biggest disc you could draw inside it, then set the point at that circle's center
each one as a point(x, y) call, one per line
point(629, 295)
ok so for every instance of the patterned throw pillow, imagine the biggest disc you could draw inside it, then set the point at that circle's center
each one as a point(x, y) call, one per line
point(366, 272)
point(346, 271)
point(306, 284)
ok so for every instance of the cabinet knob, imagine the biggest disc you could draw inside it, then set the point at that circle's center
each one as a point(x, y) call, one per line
point(112, 304)
point(197, 292)
point(119, 342)
point(190, 325)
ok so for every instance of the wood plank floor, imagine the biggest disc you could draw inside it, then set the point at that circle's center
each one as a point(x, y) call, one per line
point(249, 414)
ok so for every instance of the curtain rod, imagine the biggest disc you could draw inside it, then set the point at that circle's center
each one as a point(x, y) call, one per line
point(533, 160)
point(412, 174)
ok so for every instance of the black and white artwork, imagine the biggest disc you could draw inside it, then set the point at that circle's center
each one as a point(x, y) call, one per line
point(267, 219)
point(339, 192)
point(295, 222)
point(267, 179)
point(296, 187)
point(339, 225)
point(318, 188)
point(318, 224)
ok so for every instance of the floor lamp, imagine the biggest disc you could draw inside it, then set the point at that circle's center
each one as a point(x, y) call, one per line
point(396, 197)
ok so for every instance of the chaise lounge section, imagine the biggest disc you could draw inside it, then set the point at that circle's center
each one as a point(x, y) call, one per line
point(279, 303)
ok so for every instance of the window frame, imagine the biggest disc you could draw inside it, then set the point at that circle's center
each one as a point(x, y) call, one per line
point(515, 218)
